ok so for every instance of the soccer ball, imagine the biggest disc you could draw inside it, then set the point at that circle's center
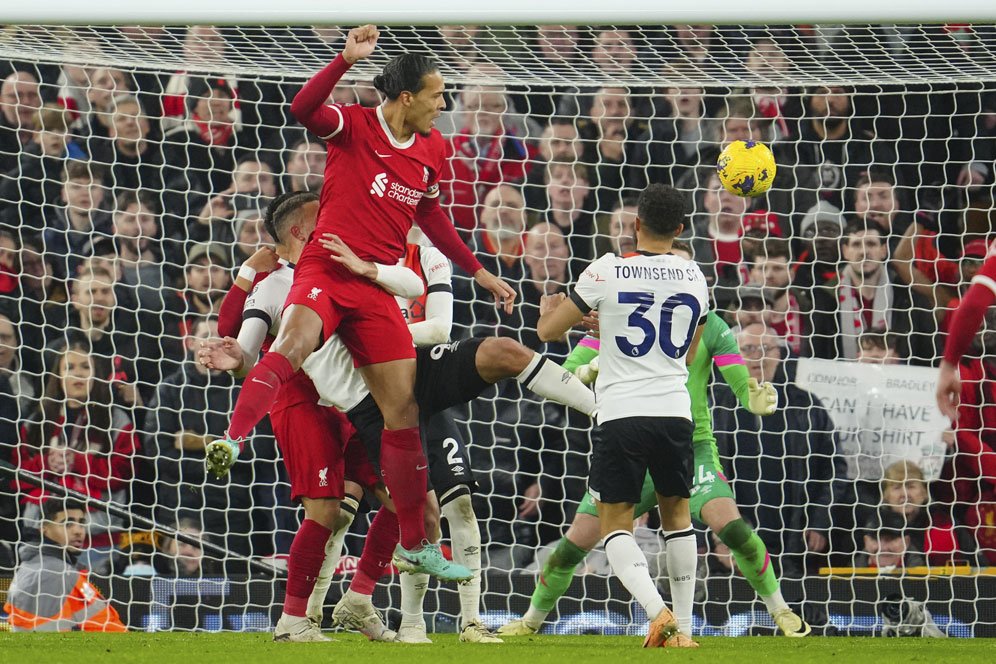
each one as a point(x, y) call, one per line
point(746, 168)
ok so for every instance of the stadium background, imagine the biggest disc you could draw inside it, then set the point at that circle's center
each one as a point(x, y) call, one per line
point(571, 122)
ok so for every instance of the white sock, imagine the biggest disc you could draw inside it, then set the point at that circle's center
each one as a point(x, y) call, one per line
point(535, 617)
point(775, 602)
point(682, 559)
point(413, 587)
point(333, 551)
point(466, 537)
point(552, 381)
point(630, 567)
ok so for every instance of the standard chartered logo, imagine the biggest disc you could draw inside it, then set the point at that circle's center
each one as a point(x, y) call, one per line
point(379, 185)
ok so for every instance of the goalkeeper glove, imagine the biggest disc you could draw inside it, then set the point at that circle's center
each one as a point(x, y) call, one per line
point(761, 398)
point(589, 372)
point(221, 455)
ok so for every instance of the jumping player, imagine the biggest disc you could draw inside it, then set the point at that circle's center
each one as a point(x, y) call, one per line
point(711, 496)
point(381, 175)
point(652, 309)
point(313, 439)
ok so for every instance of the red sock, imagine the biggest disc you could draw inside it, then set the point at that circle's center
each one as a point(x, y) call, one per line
point(307, 553)
point(259, 391)
point(405, 469)
point(378, 547)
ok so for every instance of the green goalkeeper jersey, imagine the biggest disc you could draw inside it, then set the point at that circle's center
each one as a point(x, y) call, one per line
point(716, 347)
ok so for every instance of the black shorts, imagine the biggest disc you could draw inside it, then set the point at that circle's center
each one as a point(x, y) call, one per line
point(449, 461)
point(446, 375)
point(624, 450)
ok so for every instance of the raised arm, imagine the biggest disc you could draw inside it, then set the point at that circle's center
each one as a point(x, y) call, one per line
point(309, 103)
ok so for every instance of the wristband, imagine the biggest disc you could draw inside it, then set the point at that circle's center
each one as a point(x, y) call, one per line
point(247, 273)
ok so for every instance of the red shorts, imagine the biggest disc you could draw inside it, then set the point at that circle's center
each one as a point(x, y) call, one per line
point(311, 439)
point(358, 466)
point(366, 317)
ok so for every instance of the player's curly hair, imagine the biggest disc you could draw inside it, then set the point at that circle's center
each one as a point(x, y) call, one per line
point(282, 208)
point(404, 73)
point(661, 209)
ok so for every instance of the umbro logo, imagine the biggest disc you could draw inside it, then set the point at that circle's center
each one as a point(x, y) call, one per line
point(315, 292)
point(323, 476)
point(379, 185)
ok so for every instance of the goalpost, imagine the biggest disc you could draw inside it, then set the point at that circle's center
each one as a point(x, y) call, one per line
point(634, 95)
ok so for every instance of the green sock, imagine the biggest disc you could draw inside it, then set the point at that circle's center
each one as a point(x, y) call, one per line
point(751, 556)
point(557, 574)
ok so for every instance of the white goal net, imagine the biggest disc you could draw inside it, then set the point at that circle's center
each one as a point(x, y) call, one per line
point(135, 163)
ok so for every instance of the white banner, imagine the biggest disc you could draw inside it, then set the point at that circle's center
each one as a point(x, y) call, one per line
point(883, 414)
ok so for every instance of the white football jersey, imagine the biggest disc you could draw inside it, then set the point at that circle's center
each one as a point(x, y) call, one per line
point(330, 367)
point(649, 307)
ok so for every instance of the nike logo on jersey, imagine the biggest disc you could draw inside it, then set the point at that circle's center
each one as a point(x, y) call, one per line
point(382, 156)
point(421, 467)
point(262, 382)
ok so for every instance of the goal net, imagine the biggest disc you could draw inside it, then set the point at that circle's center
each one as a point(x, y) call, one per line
point(135, 163)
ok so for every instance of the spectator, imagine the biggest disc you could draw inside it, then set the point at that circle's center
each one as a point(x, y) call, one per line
point(192, 407)
point(78, 438)
point(137, 239)
point(253, 185)
point(207, 279)
point(51, 591)
point(204, 47)
point(200, 154)
point(80, 218)
point(568, 185)
point(819, 247)
point(772, 271)
point(487, 151)
point(20, 100)
point(131, 152)
point(752, 305)
point(305, 166)
point(669, 149)
point(43, 300)
point(715, 236)
point(103, 85)
point(612, 124)
point(622, 228)
point(188, 559)
point(865, 298)
point(887, 544)
point(29, 192)
point(17, 395)
point(561, 142)
point(876, 202)
point(784, 469)
point(17, 387)
point(546, 258)
point(498, 244)
point(928, 530)
point(835, 147)
point(878, 348)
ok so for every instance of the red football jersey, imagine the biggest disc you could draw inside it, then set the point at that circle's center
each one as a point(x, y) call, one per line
point(373, 183)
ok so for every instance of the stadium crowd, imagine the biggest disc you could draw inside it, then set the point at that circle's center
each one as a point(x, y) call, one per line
point(128, 199)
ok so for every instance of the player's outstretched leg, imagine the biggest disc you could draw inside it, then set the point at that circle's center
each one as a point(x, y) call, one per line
point(300, 331)
point(558, 570)
point(333, 552)
point(754, 562)
point(499, 358)
point(355, 610)
point(304, 564)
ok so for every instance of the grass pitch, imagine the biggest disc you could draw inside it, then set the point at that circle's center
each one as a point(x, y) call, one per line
point(189, 648)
